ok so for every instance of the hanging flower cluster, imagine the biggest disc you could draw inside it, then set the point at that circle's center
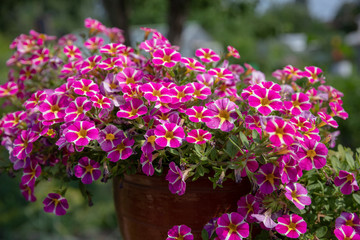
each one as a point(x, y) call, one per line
point(91, 107)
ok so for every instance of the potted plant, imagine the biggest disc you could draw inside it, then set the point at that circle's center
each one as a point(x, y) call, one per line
point(194, 137)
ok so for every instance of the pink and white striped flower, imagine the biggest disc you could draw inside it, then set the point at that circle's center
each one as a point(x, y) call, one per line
point(292, 73)
point(253, 122)
point(346, 233)
point(224, 114)
point(132, 109)
point(166, 57)
point(100, 101)
point(156, 92)
point(347, 182)
point(338, 110)
point(150, 145)
point(72, 52)
point(232, 52)
point(178, 232)
point(40, 56)
point(301, 123)
point(312, 73)
point(146, 160)
point(348, 219)
point(200, 91)
point(87, 170)
point(298, 104)
point(129, 76)
point(175, 177)
point(312, 154)
point(110, 137)
point(81, 133)
point(169, 135)
point(232, 226)
point(221, 74)
point(35, 99)
point(193, 65)
point(54, 107)
point(85, 87)
point(207, 55)
point(8, 89)
point(77, 109)
point(27, 73)
point(199, 114)
point(247, 206)
point(13, 119)
point(90, 64)
point(280, 132)
point(292, 226)
point(297, 194)
point(112, 49)
point(94, 43)
point(181, 94)
point(265, 100)
point(31, 172)
point(327, 120)
point(28, 192)
point(122, 151)
point(268, 178)
point(198, 136)
point(205, 79)
point(110, 63)
point(55, 203)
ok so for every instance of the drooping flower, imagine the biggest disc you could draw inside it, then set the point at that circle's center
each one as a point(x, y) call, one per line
point(207, 55)
point(224, 114)
point(55, 203)
point(265, 100)
point(146, 160)
point(268, 178)
point(121, 151)
point(132, 109)
point(247, 206)
point(87, 170)
point(180, 232)
point(253, 122)
point(289, 169)
point(232, 226)
point(347, 182)
point(175, 177)
point(198, 136)
point(199, 113)
point(28, 192)
point(31, 172)
point(297, 194)
point(346, 233)
point(280, 132)
point(348, 219)
point(169, 135)
point(298, 104)
point(85, 87)
point(166, 57)
point(312, 154)
point(291, 226)
point(81, 133)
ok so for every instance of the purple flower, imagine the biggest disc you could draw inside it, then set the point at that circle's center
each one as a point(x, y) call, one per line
point(178, 232)
point(312, 154)
point(348, 219)
point(347, 182)
point(176, 180)
point(55, 203)
point(121, 151)
point(23, 144)
point(146, 160)
point(110, 137)
point(88, 170)
point(268, 178)
point(31, 172)
point(28, 192)
point(232, 226)
point(247, 206)
point(211, 226)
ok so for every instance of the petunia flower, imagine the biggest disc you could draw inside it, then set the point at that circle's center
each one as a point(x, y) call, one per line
point(11, 120)
point(312, 154)
point(198, 136)
point(193, 65)
point(301, 123)
point(280, 132)
point(292, 73)
point(27, 73)
point(180, 232)
point(181, 94)
point(312, 73)
point(338, 110)
point(207, 55)
point(132, 109)
point(28, 192)
point(232, 226)
point(221, 74)
point(121, 151)
point(232, 52)
point(347, 182)
point(90, 64)
point(291, 226)
point(156, 92)
point(87, 170)
point(297, 194)
point(247, 206)
point(298, 104)
point(81, 133)
point(265, 100)
point(289, 169)
point(77, 109)
point(346, 233)
point(169, 135)
point(268, 178)
point(54, 107)
point(224, 114)
point(200, 91)
point(110, 137)
point(55, 203)
point(129, 76)
point(85, 87)
point(72, 52)
point(40, 56)
point(23, 144)
point(100, 101)
point(166, 57)
point(31, 172)
point(146, 160)
point(348, 219)
point(199, 114)
point(205, 79)
point(94, 43)
point(110, 63)
point(327, 120)
point(112, 49)
point(175, 177)
point(35, 99)
point(8, 89)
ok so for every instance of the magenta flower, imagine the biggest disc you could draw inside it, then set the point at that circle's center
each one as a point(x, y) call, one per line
point(291, 226)
point(72, 52)
point(346, 233)
point(27, 73)
point(175, 177)
point(23, 144)
point(94, 43)
point(298, 104)
point(247, 206)
point(110, 137)
point(94, 25)
point(292, 73)
point(221, 74)
point(40, 56)
point(181, 94)
point(150, 145)
point(132, 109)
point(85, 87)
point(77, 109)
point(8, 89)
point(156, 92)
point(35, 99)
point(198, 136)
point(193, 64)
point(88, 170)
point(289, 169)
point(54, 107)
point(253, 122)
point(122, 151)
point(13, 119)
point(338, 110)
point(146, 160)
point(205, 79)
point(110, 63)
point(312, 73)
point(224, 114)
point(200, 91)
point(268, 178)
point(280, 132)
point(31, 172)
point(348, 219)
point(169, 135)
point(166, 57)
point(265, 100)
point(207, 55)
point(232, 226)
point(100, 101)
point(112, 49)
point(129, 76)
point(90, 64)
point(347, 182)
point(301, 123)
point(297, 194)
point(81, 133)
point(327, 120)
point(55, 203)
point(232, 52)
point(28, 192)
point(312, 154)
point(180, 232)
point(199, 113)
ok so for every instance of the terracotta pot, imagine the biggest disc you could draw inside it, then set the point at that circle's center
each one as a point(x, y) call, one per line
point(147, 210)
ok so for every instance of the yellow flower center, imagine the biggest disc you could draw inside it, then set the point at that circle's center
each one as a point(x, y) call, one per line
point(181, 95)
point(349, 223)
point(199, 115)
point(311, 154)
point(110, 136)
point(232, 227)
point(349, 178)
point(265, 101)
point(133, 112)
point(151, 139)
point(156, 93)
point(120, 147)
point(167, 58)
point(296, 103)
point(113, 85)
point(169, 135)
point(197, 92)
point(292, 226)
point(89, 168)
point(86, 88)
point(294, 194)
point(55, 108)
point(270, 177)
point(130, 80)
point(80, 110)
point(200, 138)
point(82, 133)
point(224, 115)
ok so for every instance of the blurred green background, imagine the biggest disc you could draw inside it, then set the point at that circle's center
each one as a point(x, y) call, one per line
point(268, 34)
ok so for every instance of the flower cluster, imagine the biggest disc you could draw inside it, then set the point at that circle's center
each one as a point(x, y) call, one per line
point(103, 108)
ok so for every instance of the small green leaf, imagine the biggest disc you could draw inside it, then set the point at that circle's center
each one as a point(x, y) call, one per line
point(244, 139)
point(356, 197)
point(350, 160)
point(204, 235)
point(256, 136)
point(321, 231)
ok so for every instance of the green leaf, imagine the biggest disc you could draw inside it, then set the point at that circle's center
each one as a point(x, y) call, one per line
point(231, 148)
point(356, 197)
point(239, 113)
point(321, 231)
point(256, 136)
point(335, 162)
point(244, 139)
point(350, 160)
point(204, 235)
